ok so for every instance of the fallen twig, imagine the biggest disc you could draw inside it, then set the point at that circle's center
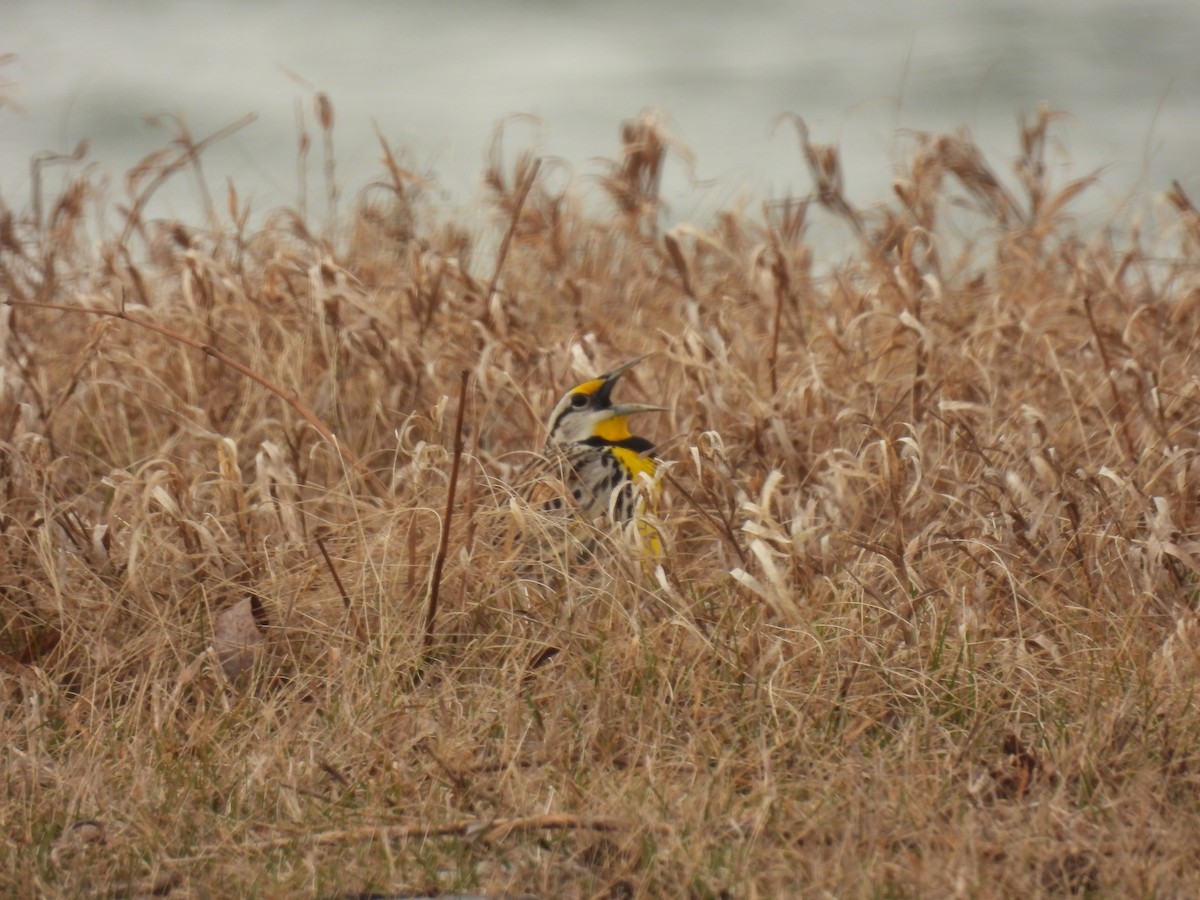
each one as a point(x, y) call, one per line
point(482, 829)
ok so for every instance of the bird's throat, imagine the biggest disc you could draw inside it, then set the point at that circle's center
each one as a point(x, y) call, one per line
point(614, 430)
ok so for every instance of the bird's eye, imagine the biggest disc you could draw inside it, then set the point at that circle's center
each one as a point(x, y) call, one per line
point(578, 401)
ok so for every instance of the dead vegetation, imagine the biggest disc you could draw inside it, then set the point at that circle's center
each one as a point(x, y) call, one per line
point(927, 624)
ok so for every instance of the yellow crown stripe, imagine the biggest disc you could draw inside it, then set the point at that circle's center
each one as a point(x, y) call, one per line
point(589, 387)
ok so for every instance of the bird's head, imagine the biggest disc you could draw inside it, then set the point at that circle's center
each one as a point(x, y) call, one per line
point(587, 412)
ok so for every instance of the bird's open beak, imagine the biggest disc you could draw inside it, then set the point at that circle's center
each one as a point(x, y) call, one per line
point(609, 379)
point(628, 409)
point(623, 368)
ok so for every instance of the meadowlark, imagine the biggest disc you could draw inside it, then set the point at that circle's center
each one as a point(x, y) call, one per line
point(590, 448)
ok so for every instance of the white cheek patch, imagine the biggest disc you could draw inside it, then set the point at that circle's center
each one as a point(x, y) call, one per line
point(578, 426)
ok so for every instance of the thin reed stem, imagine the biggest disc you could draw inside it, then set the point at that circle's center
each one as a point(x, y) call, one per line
point(435, 585)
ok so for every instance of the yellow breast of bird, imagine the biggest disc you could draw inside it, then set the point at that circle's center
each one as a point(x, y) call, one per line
point(635, 463)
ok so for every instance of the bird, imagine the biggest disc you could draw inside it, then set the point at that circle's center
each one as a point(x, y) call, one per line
point(592, 480)
point(594, 455)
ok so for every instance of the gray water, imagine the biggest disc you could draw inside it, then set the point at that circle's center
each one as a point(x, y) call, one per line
point(437, 77)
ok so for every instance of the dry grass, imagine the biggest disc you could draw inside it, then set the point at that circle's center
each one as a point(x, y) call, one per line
point(927, 625)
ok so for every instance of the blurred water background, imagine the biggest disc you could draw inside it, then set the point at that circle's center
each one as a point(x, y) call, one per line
point(436, 77)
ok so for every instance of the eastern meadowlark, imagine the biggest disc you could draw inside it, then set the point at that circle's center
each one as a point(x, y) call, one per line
point(589, 445)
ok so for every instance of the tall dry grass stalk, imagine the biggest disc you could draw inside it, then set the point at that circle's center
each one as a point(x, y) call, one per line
point(927, 622)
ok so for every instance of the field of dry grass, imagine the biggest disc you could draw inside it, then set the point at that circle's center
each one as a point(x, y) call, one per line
point(926, 624)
